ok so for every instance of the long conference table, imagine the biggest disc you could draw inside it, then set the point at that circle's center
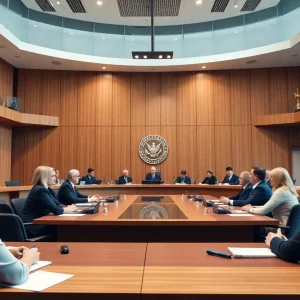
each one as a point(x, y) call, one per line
point(187, 221)
point(161, 271)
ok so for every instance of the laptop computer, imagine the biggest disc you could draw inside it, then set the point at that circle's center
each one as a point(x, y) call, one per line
point(151, 182)
point(81, 182)
point(89, 210)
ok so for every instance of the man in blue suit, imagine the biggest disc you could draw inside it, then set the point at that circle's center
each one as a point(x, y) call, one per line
point(260, 193)
point(90, 177)
point(230, 178)
point(183, 179)
point(246, 189)
point(125, 179)
point(68, 193)
point(153, 175)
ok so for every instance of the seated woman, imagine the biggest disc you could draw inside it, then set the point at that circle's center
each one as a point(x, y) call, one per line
point(284, 197)
point(42, 201)
point(288, 250)
point(210, 179)
point(12, 269)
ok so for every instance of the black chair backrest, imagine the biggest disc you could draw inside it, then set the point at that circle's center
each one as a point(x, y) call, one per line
point(12, 228)
point(5, 208)
point(12, 183)
point(293, 221)
point(17, 205)
point(117, 181)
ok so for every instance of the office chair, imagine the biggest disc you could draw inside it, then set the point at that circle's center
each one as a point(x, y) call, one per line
point(5, 208)
point(17, 205)
point(293, 223)
point(12, 230)
point(12, 183)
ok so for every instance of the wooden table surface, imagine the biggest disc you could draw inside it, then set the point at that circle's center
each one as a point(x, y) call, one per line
point(100, 268)
point(185, 271)
point(161, 271)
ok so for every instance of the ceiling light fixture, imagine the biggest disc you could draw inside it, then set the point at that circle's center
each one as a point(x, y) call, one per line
point(104, 68)
point(203, 67)
point(34, 25)
point(160, 57)
point(71, 33)
point(99, 3)
point(198, 2)
point(152, 54)
point(235, 5)
point(58, 2)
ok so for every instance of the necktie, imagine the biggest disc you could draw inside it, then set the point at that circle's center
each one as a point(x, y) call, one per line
point(74, 188)
point(126, 181)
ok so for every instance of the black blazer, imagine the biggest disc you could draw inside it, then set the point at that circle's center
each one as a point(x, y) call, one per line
point(243, 193)
point(186, 180)
point(89, 180)
point(122, 179)
point(40, 202)
point(68, 196)
point(287, 250)
point(211, 180)
point(157, 176)
point(258, 197)
point(234, 180)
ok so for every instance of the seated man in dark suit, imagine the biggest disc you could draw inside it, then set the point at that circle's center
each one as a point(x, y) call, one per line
point(260, 193)
point(68, 193)
point(268, 175)
point(90, 177)
point(246, 189)
point(183, 179)
point(210, 178)
point(153, 175)
point(230, 178)
point(125, 179)
point(288, 250)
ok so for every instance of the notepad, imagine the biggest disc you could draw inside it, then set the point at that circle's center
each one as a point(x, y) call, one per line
point(240, 212)
point(251, 252)
point(40, 264)
point(71, 215)
point(240, 215)
point(85, 204)
point(42, 280)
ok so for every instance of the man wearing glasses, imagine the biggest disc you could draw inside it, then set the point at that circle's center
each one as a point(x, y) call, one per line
point(68, 193)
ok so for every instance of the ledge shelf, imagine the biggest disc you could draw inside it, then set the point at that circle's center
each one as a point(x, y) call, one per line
point(291, 119)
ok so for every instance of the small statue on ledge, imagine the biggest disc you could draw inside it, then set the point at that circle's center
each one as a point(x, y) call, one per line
point(297, 96)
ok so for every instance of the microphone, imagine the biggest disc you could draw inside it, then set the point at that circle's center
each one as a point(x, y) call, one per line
point(196, 181)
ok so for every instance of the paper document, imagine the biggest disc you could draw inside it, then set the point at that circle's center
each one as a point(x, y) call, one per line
point(85, 204)
point(215, 200)
point(251, 252)
point(222, 205)
point(71, 215)
point(240, 215)
point(42, 280)
point(239, 211)
point(40, 264)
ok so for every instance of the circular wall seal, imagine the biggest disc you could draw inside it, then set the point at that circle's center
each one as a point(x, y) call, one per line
point(153, 149)
point(153, 211)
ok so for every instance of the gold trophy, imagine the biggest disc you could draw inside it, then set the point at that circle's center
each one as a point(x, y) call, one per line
point(297, 96)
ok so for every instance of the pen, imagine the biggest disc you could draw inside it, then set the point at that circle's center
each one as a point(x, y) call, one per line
point(215, 253)
point(32, 246)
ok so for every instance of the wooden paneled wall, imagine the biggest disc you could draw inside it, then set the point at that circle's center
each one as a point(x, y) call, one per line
point(204, 116)
point(6, 89)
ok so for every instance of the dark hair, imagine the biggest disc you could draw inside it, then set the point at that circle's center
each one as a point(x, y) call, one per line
point(259, 172)
point(90, 170)
point(229, 169)
point(210, 172)
point(183, 172)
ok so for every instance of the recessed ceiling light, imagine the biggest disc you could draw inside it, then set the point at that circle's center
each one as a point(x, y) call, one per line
point(104, 68)
point(160, 56)
point(145, 56)
point(99, 2)
point(203, 67)
point(236, 31)
point(169, 56)
point(34, 25)
point(198, 2)
point(58, 2)
point(71, 33)
point(136, 56)
point(175, 39)
point(103, 38)
point(236, 6)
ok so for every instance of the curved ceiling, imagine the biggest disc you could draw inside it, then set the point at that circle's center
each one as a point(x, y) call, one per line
point(189, 11)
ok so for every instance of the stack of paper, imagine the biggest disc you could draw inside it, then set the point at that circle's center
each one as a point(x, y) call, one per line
point(251, 252)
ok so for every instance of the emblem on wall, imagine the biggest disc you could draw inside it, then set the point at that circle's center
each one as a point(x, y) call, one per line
point(153, 211)
point(153, 149)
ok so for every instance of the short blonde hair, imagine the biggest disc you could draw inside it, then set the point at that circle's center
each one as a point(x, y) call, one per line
point(282, 178)
point(246, 176)
point(41, 175)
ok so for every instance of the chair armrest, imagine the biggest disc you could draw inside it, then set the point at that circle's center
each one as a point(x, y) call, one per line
point(36, 239)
